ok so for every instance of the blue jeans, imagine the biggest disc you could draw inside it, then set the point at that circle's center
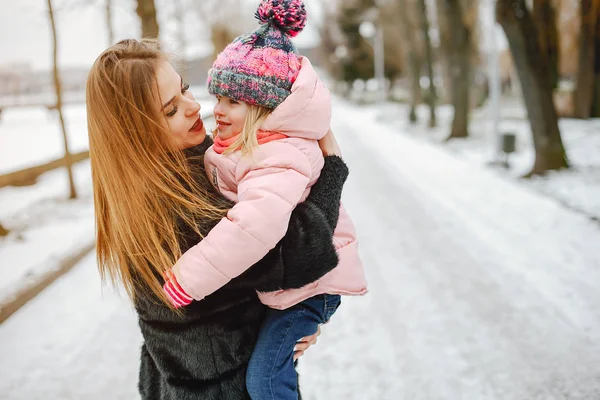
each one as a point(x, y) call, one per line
point(271, 374)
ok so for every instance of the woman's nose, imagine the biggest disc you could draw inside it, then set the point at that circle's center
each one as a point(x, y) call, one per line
point(194, 108)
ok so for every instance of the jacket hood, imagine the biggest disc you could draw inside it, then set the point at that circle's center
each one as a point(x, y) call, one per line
point(306, 112)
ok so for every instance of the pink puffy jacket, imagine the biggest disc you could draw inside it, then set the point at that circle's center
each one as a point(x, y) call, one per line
point(266, 187)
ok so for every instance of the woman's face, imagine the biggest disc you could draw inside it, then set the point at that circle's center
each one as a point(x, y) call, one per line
point(230, 116)
point(182, 111)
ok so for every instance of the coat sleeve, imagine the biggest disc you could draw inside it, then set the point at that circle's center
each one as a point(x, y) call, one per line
point(269, 187)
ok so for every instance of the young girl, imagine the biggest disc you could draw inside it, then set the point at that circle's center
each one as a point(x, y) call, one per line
point(271, 110)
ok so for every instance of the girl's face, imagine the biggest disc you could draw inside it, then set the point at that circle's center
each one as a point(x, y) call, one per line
point(182, 111)
point(230, 116)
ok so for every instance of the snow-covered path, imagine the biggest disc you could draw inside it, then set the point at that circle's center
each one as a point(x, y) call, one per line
point(71, 342)
point(480, 289)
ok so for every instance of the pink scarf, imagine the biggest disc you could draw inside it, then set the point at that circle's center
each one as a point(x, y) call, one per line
point(262, 136)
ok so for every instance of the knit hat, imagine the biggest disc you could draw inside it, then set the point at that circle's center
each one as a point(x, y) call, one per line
point(260, 67)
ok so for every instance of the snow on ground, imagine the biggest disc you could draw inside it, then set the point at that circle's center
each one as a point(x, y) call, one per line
point(31, 135)
point(45, 228)
point(72, 342)
point(577, 187)
point(479, 289)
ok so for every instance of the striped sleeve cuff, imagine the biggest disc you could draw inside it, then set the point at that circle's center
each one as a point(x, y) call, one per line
point(175, 293)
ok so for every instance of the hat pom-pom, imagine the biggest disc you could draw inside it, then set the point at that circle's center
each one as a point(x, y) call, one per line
point(289, 16)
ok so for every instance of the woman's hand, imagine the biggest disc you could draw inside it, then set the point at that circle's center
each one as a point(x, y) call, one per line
point(305, 343)
point(329, 145)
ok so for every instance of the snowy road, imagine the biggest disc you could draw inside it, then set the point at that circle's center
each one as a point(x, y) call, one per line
point(480, 289)
point(71, 342)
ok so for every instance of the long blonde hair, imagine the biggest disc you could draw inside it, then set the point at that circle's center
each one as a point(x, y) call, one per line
point(141, 180)
point(247, 140)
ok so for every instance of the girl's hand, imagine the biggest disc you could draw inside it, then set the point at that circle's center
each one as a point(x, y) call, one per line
point(329, 145)
point(305, 343)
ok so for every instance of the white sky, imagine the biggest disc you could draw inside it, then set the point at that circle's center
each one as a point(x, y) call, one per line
point(26, 35)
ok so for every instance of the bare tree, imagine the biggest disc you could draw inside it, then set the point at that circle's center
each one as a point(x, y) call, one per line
point(359, 61)
point(588, 53)
point(146, 10)
point(331, 38)
point(544, 16)
point(456, 46)
point(596, 97)
point(432, 96)
point(226, 19)
point(57, 86)
point(220, 35)
point(411, 55)
point(394, 46)
point(328, 44)
point(443, 26)
point(109, 27)
point(531, 65)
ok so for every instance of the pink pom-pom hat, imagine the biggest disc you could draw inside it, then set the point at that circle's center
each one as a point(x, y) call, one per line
point(260, 67)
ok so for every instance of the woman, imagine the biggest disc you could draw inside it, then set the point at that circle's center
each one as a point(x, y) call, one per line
point(153, 201)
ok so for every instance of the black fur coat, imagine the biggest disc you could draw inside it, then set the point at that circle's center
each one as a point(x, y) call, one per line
point(203, 354)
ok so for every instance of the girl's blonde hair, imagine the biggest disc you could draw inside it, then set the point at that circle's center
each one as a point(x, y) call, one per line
point(142, 182)
point(247, 140)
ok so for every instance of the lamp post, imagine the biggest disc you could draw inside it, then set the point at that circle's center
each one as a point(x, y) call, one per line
point(372, 30)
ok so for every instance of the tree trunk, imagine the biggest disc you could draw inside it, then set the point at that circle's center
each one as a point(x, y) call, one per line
point(459, 61)
point(221, 36)
point(531, 65)
point(415, 84)
point(584, 94)
point(470, 16)
point(3, 231)
point(431, 96)
point(57, 86)
point(444, 37)
point(544, 16)
point(147, 13)
point(414, 65)
point(327, 49)
point(596, 102)
point(109, 28)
